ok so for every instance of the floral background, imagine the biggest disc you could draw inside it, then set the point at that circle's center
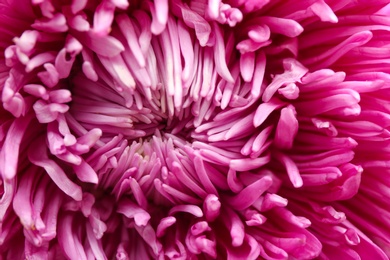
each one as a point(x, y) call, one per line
point(242, 129)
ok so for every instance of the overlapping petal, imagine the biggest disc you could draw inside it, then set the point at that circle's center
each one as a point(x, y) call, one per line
point(194, 129)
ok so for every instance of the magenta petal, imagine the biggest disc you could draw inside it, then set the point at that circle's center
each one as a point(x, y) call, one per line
point(206, 245)
point(248, 164)
point(287, 27)
point(9, 187)
point(213, 8)
point(148, 234)
point(159, 19)
point(50, 77)
point(323, 10)
point(294, 71)
point(57, 23)
point(311, 249)
point(106, 46)
point(219, 56)
point(78, 5)
point(203, 177)
point(69, 241)
point(164, 224)
point(95, 244)
point(247, 65)
point(131, 210)
point(287, 128)
point(211, 207)
point(9, 152)
point(194, 20)
point(162, 11)
point(367, 248)
point(38, 155)
point(128, 30)
point(292, 169)
point(85, 173)
point(250, 194)
point(199, 228)
point(22, 201)
point(258, 76)
point(265, 109)
point(192, 209)
point(103, 18)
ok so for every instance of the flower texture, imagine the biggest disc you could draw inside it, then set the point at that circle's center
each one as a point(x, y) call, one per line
point(195, 129)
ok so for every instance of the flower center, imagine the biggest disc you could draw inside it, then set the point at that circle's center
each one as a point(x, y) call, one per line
point(103, 105)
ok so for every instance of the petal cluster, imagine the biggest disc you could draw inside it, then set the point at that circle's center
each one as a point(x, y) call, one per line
point(194, 129)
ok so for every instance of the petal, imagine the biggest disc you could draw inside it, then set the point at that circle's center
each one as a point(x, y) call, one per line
point(249, 194)
point(9, 154)
point(38, 156)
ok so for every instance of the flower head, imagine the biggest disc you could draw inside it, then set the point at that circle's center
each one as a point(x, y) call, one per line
point(194, 129)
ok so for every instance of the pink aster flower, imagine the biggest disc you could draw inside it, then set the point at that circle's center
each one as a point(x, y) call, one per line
point(194, 129)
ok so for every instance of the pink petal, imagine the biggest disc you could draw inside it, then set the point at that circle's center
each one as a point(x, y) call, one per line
point(38, 156)
point(249, 194)
point(131, 210)
point(9, 154)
